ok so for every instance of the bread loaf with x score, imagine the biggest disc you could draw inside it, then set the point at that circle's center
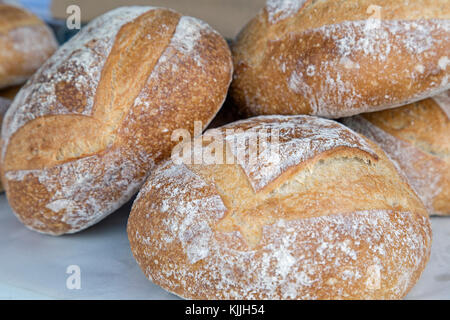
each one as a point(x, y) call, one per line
point(25, 43)
point(417, 138)
point(82, 135)
point(319, 213)
point(337, 58)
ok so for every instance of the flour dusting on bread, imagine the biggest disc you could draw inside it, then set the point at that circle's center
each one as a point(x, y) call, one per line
point(80, 61)
point(86, 190)
point(295, 256)
point(187, 35)
point(328, 89)
point(278, 10)
point(312, 136)
point(38, 50)
point(189, 222)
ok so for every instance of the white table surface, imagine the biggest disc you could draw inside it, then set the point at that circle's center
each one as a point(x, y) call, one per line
point(33, 266)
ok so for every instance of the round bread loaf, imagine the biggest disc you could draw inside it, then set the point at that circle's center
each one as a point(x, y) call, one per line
point(319, 213)
point(337, 58)
point(417, 138)
point(83, 133)
point(25, 42)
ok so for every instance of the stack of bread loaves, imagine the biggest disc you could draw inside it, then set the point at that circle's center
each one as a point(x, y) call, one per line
point(320, 212)
point(285, 205)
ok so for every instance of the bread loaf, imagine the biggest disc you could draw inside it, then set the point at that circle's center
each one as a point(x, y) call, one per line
point(25, 42)
point(417, 138)
point(320, 213)
point(337, 58)
point(83, 133)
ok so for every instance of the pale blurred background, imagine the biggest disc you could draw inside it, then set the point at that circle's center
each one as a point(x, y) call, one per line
point(226, 16)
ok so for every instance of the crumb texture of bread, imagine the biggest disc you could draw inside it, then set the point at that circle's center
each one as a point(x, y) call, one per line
point(338, 58)
point(83, 133)
point(417, 138)
point(335, 220)
point(25, 42)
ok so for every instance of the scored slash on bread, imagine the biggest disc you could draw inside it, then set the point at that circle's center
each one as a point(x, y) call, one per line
point(336, 221)
point(331, 58)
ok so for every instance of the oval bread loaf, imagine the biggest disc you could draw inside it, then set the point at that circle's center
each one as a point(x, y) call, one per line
point(83, 133)
point(417, 138)
point(320, 213)
point(26, 43)
point(337, 58)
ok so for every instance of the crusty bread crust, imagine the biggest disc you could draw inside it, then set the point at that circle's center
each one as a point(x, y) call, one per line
point(329, 218)
point(83, 133)
point(417, 138)
point(328, 58)
point(25, 42)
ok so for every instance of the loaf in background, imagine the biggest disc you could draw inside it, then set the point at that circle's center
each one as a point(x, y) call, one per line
point(26, 42)
point(417, 138)
point(82, 135)
point(337, 58)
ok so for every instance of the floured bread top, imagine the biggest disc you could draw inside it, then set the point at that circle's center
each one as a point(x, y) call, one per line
point(310, 160)
point(291, 142)
point(341, 58)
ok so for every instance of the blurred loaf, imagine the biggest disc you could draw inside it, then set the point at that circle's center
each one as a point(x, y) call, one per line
point(26, 42)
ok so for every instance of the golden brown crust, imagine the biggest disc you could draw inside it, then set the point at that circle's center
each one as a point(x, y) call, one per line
point(324, 57)
point(26, 43)
point(83, 134)
point(417, 137)
point(336, 222)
